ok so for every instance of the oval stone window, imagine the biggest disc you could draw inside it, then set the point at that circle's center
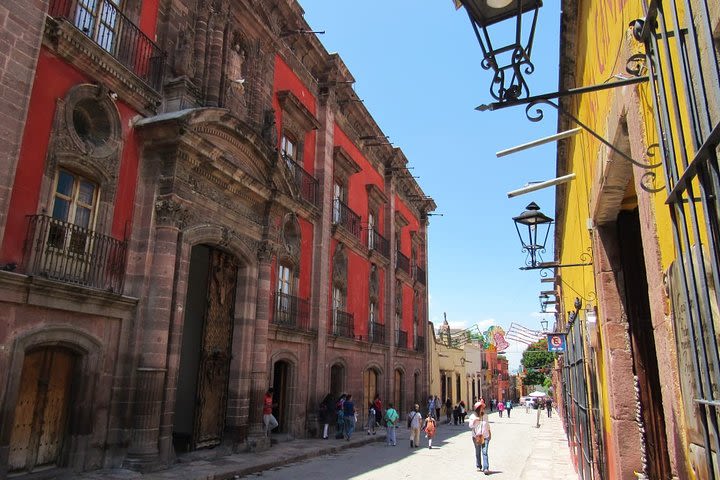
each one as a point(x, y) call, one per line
point(91, 122)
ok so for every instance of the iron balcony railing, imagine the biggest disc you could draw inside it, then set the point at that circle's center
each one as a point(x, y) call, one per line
point(420, 344)
point(401, 339)
point(343, 324)
point(377, 333)
point(69, 253)
point(378, 243)
point(403, 262)
point(291, 312)
point(107, 26)
point(346, 218)
point(306, 183)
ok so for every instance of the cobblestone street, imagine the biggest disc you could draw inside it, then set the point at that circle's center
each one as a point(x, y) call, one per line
point(517, 451)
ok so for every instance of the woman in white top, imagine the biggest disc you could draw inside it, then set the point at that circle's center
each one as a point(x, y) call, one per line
point(480, 429)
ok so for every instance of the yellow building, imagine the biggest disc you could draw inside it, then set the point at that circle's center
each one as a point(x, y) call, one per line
point(640, 377)
point(637, 238)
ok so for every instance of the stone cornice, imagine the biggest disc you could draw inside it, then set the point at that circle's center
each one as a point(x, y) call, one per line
point(345, 166)
point(297, 111)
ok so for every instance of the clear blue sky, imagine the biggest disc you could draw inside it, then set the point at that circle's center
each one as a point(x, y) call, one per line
point(417, 68)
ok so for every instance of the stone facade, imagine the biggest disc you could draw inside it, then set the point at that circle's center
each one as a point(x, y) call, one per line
point(215, 186)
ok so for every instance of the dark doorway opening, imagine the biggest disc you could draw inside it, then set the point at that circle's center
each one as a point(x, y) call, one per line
point(642, 342)
point(281, 394)
point(201, 398)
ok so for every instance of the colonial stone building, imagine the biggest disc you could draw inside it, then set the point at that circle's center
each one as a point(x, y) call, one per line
point(195, 206)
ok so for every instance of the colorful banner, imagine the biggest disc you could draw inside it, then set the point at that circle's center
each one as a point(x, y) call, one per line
point(496, 336)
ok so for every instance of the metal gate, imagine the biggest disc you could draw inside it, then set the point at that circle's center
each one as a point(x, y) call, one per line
point(576, 398)
point(41, 412)
point(682, 60)
point(215, 352)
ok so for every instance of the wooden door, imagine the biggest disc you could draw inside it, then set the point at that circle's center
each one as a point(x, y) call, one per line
point(40, 421)
point(215, 352)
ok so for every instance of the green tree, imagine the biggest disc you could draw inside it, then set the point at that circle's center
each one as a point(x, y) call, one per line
point(537, 362)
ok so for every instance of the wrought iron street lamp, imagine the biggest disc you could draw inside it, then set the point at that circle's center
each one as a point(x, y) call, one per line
point(536, 227)
point(508, 61)
point(544, 299)
point(544, 325)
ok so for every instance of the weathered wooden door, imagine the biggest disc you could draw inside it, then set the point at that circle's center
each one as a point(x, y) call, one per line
point(40, 421)
point(214, 368)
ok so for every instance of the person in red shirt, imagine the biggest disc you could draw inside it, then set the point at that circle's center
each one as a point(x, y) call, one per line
point(269, 419)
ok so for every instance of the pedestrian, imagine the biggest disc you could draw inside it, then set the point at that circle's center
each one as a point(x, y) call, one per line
point(456, 414)
point(548, 405)
point(438, 404)
point(430, 426)
point(340, 412)
point(493, 403)
point(377, 403)
point(349, 414)
point(269, 419)
point(508, 407)
point(528, 404)
point(325, 413)
point(500, 407)
point(391, 418)
point(448, 409)
point(431, 405)
point(463, 412)
point(414, 422)
point(370, 427)
point(480, 428)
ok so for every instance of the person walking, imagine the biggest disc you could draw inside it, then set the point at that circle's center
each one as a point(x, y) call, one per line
point(438, 404)
point(325, 413)
point(340, 412)
point(508, 407)
point(462, 412)
point(448, 409)
point(377, 403)
point(349, 414)
point(370, 427)
point(480, 429)
point(431, 404)
point(414, 421)
point(548, 405)
point(391, 418)
point(500, 407)
point(430, 426)
point(269, 419)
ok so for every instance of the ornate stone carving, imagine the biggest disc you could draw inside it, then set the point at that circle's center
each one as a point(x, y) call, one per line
point(235, 77)
point(181, 65)
point(291, 237)
point(398, 298)
point(266, 251)
point(340, 267)
point(269, 131)
point(374, 284)
point(170, 213)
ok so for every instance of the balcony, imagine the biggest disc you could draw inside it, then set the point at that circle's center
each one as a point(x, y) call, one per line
point(306, 183)
point(291, 312)
point(402, 262)
point(377, 333)
point(72, 254)
point(420, 344)
point(378, 243)
point(346, 218)
point(116, 34)
point(401, 338)
point(343, 324)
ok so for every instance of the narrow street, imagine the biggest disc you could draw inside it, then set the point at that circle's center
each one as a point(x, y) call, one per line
point(517, 451)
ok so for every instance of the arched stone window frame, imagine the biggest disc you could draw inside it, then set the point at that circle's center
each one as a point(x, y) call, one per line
point(296, 121)
point(94, 155)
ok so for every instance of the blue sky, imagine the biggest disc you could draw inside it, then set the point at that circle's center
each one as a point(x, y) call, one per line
point(417, 69)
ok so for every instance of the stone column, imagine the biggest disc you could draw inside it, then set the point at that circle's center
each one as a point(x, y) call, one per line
point(155, 313)
point(259, 380)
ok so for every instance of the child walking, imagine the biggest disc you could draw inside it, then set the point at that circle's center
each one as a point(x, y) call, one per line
point(430, 426)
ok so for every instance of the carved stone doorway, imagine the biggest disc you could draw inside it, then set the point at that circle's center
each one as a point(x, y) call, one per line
point(202, 388)
point(40, 422)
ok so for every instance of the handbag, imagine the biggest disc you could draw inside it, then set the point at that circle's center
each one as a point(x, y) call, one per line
point(479, 439)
